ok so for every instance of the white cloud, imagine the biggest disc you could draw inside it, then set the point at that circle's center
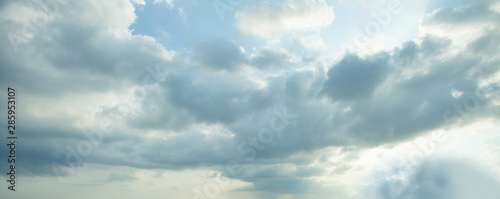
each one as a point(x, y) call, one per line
point(113, 14)
point(138, 2)
point(311, 41)
point(170, 3)
point(268, 20)
point(183, 15)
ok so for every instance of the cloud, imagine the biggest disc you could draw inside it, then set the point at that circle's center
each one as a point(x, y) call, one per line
point(138, 2)
point(461, 23)
point(470, 13)
point(269, 20)
point(442, 178)
point(170, 3)
point(210, 97)
point(485, 44)
point(280, 178)
point(377, 99)
point(313, 41)
point(411, 101)
point(80, 43)
point(271, 59)
point(355, 78)
point(195, 108)
point(219, 54)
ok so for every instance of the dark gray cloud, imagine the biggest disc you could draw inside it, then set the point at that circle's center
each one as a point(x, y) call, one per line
point(285, 186)
point(210, 97)
point(355, 78)
point(218, 53)
point(271, 59)
point(406, 106)
point(486, 44)
point(406, 54)
point(432, 46)
point(280, 178)
point(468, 13)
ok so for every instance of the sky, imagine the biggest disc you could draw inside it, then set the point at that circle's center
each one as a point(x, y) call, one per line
point(380, 99)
